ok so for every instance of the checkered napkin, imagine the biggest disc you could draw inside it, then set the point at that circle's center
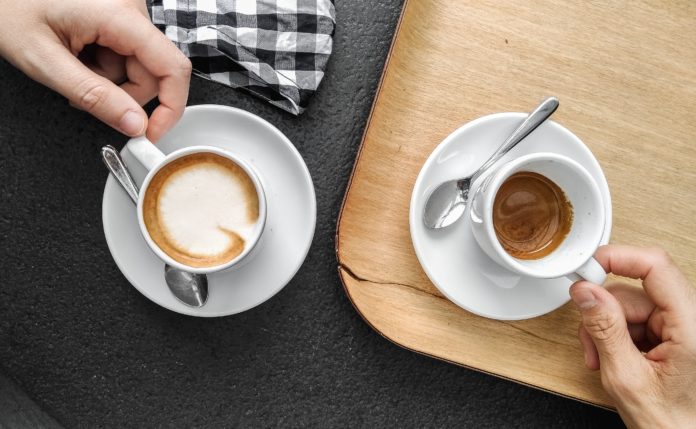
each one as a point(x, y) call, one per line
point(275, 49)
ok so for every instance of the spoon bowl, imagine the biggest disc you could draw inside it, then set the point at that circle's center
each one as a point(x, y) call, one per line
point(189, 288)
point(447, 203)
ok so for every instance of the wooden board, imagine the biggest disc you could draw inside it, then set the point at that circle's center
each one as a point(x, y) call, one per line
point(625, 73)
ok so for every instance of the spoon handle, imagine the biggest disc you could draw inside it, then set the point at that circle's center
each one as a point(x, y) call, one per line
point(115, 164)
point(536, 118)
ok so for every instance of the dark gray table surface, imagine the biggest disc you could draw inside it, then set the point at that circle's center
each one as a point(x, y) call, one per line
point(94, 352)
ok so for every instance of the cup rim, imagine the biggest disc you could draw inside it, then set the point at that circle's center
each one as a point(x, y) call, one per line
point(501, 174)
point(248, 169)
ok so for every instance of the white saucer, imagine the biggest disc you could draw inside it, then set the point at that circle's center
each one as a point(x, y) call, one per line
point(291, 215)
point(451, 257)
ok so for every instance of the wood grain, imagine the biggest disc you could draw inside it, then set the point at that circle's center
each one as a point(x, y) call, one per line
point(625, 73)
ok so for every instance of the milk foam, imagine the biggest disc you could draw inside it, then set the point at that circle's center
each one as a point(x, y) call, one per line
point(199, 204)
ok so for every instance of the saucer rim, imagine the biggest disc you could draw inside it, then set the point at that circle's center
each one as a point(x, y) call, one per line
point(312, 212)
point(450, 139)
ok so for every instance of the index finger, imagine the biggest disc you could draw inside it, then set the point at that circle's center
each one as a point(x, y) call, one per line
point(636, 304)
point(663, 282)
point(133, 34)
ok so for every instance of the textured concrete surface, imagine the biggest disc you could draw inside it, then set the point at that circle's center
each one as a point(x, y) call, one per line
point(94, 352)
point(17, 410)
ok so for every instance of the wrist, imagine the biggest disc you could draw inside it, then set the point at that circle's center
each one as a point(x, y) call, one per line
point(652, 416)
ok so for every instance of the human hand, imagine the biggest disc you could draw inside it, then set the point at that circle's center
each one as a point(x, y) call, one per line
point(132, 60)
point(642, 339)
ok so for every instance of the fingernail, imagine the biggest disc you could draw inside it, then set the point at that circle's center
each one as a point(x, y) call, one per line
point(132, 123)
point(583, 298)
point(587, 359)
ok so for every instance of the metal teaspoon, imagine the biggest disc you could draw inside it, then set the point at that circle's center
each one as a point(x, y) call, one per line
point(447, 202)
point(189, 288)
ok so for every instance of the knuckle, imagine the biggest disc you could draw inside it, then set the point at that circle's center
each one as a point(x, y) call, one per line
point(660, 255)
point(91, 94)
point(602, 327)
point(185, 65)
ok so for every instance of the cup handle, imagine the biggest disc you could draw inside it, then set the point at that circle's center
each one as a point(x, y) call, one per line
point(590, 271)
point(145, 152)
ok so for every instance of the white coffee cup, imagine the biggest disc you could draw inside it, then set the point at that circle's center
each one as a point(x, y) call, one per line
point(574, 256)
point(154, 160)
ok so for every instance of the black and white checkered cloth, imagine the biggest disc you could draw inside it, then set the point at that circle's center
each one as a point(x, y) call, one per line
point(275, 49)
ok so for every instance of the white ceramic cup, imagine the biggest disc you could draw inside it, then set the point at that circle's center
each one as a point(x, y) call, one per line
point(574, 256)
point(154, 160)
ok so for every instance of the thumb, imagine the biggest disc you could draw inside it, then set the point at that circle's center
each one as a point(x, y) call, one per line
point(90, 92)
point(604, 320)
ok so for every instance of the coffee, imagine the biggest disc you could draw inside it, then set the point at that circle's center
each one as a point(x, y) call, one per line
point(531, 215)
point(201, 209)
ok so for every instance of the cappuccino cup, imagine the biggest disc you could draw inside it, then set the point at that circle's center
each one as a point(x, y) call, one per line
point(201, 209)
point(541, 215)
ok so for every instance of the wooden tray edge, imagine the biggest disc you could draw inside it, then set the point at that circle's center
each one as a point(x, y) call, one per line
point(367, 127)
point(343, 270)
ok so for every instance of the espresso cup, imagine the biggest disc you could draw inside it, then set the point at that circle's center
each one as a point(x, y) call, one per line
point(155, 160)
point(573, 258)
